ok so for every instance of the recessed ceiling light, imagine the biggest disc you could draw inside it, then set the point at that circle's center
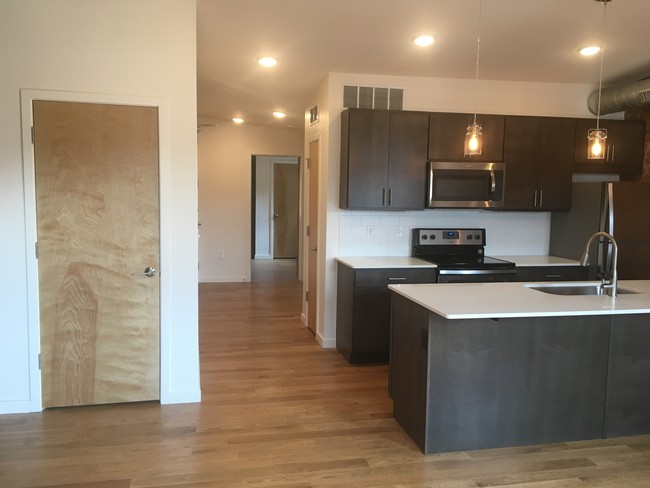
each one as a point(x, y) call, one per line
point(423, 41)
point(589, 50)
point(267, 62)
point(238, 120)
point(279, 115)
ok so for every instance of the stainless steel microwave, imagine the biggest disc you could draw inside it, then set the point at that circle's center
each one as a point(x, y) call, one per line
point(465, 185)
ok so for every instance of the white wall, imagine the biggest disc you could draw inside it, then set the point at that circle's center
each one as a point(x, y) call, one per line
point(225, 172)
point(507, 232)
point(140, 48)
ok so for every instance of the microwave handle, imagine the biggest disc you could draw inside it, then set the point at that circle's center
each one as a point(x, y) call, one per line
point(430, 185)
point(493, 185)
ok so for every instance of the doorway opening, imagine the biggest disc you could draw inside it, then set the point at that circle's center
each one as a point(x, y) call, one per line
point(275, 209)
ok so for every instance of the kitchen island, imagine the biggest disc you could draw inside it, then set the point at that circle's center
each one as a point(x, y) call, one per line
point(502, 364)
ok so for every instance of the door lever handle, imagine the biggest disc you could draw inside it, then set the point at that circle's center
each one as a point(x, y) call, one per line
point(149, 272)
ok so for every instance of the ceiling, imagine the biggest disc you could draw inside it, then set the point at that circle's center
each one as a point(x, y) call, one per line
point(522, 40)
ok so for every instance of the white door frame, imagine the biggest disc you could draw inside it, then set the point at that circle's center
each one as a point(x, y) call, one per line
point(27, 97)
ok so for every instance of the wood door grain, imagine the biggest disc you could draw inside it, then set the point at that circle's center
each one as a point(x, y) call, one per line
point(98, 224)
point(285, 210)
point(312, 260)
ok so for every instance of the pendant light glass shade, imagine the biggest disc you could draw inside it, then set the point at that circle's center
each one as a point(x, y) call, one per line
point(474, 134)
point(597, 138)
point(596, 143)
point(473, 140)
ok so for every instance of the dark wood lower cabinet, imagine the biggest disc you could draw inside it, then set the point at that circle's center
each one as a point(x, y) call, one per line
point(483, 383)
point(363, 309)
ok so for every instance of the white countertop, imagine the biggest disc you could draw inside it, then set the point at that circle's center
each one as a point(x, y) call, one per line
point(363, 262)
point(501, 300)
point(539, 260)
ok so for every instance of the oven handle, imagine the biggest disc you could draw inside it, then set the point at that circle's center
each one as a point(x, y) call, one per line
point(454, 272)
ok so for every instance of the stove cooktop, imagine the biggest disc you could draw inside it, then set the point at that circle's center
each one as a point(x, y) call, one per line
point(452, 248)
point(468, 262)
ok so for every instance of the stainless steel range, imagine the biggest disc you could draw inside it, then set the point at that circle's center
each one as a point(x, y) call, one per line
point(459, 255)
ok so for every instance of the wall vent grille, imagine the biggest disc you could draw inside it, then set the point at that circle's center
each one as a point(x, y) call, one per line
point(373, 97)
point(313, 115)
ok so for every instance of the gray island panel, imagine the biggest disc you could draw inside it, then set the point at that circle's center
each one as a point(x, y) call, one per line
point(472, 383)
point(496, 383)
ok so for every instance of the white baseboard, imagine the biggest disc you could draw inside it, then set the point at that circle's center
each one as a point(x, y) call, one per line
point(182, 396)
point(263, 256)
point(326, 343)
point(24, 406)
point(223, 279)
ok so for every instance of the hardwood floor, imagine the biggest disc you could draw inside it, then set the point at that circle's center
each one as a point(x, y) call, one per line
point(279, 411)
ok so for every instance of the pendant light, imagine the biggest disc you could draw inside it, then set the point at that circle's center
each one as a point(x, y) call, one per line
point(597, 138)
point(474, 135)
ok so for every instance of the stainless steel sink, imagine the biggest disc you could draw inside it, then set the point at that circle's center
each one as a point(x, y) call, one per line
point(575, 289)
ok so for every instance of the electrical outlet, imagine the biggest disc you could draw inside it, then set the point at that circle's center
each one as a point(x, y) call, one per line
point(222, 255)
point(399, 231)
point(523, 233)
point(370, 231)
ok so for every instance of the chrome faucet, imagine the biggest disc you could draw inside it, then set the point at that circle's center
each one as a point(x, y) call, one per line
point(610, 282)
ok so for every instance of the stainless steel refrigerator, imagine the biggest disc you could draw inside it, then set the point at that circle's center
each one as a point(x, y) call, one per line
point(620, 208)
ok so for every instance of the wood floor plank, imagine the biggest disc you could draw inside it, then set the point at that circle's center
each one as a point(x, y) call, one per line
point(280, 412)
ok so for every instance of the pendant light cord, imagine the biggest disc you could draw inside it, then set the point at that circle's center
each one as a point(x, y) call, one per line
point(478, 52)
point(602, 55)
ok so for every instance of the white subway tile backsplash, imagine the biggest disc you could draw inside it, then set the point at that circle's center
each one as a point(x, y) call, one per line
point(348, 219)
point(370, 220)
point(389, 220)
point(503, 230)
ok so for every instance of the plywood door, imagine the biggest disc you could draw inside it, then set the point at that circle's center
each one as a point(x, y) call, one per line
point(312, 264)
point(285, 210)
point(98, 225)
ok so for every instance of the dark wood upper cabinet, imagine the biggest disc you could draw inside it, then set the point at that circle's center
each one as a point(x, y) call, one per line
point(447, 136)
point(625, 148)
point(364, 158)
point(538, 153)
point(383, 159)
point(407, 159)
point(555, 168)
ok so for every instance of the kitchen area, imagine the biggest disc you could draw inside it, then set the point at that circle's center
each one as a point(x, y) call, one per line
point(503, 266)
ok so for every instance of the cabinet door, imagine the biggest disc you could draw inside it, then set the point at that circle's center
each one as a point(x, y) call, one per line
point(364, 159)
point(521, 155)
point(447, 136)
point(407, 160)
point(625, 147)
point(555, 163)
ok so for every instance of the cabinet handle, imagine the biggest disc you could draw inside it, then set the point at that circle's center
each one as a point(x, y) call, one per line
point(613, 149)
point(535, 203)
point(396, 278)
point(390, 197)
point(383, 197)
point(541, 198)
point(553, 276)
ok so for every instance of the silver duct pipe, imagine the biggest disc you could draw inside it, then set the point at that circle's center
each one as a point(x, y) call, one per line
point(617, 99)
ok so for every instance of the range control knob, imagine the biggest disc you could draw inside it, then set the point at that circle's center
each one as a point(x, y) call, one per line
point(469, 237)
point(424, 237)
point(477, 237)
point(432, 237)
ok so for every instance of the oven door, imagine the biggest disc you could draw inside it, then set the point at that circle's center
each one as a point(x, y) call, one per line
point(475, 275)
point(462, 185)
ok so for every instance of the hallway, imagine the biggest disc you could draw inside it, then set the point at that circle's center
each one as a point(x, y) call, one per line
point(279, 411)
